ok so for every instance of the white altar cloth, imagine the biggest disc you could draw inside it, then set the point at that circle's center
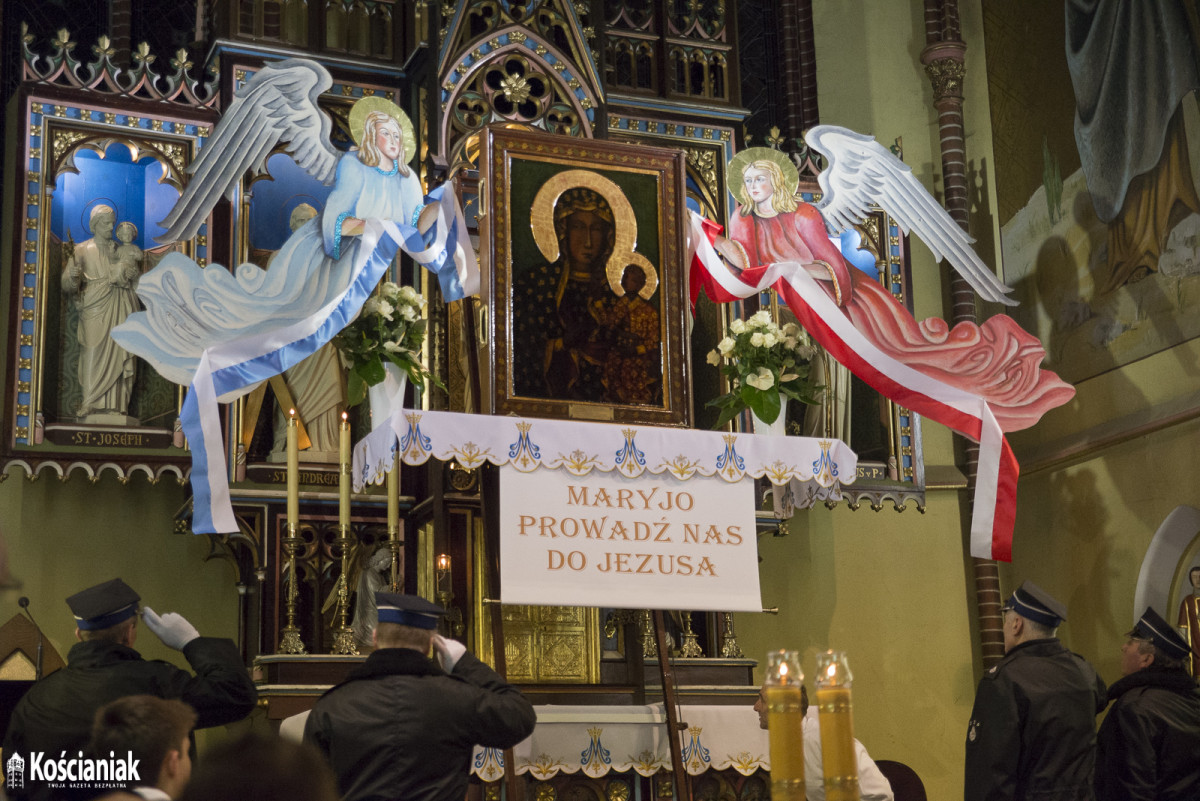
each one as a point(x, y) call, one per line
point(811, 469)
point(597, 740)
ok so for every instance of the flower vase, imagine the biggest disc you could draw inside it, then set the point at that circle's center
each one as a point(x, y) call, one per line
point(779, 427)
point(387, 396)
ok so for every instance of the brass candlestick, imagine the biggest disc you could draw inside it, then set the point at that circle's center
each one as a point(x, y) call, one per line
point(649, 643)
point(290, 642)
point(393, 522)
point(690, 644)
point(729, 644)
point(344, 642)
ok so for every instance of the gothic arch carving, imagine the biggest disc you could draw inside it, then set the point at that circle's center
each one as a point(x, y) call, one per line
point(514, 76)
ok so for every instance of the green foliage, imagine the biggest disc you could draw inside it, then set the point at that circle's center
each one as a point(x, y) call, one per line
point(389, 327)
point(762, 361)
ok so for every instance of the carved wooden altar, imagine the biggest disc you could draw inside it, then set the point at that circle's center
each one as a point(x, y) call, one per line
point(635, 73)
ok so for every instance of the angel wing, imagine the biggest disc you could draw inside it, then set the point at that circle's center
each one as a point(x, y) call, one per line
point(862, 173)
point(278, 104)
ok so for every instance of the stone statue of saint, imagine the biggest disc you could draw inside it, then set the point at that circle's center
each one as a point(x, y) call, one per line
point(102, 278)
point(374, 577)
point(1189, 619)
point(316, 386)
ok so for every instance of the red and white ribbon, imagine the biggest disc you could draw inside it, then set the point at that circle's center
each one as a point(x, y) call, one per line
point(992, 517)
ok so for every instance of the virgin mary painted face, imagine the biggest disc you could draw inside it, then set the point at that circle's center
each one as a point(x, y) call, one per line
point(389, 141)
point(758, 184)
point(587, 239)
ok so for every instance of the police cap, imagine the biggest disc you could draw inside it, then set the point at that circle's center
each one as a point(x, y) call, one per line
point(103, 605)
point(1165, 637)
point(1032, 602)
point(407, 610)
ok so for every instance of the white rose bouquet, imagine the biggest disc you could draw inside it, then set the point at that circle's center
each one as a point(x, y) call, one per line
point(390, 326)
point(762, 362)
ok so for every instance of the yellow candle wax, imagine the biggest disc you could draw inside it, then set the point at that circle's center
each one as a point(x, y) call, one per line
point(785, 729)
point(293, 471)
point(838, 758)
point(393, 498)
point(344, 477)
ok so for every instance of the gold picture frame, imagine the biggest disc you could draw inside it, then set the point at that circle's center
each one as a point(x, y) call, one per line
point(584, 286)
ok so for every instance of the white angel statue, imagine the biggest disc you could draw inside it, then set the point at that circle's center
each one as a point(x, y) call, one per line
point(189, 308)
point(223, 332)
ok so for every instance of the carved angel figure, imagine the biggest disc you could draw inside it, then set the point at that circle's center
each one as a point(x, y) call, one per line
point(189, 308)
point(222, 333)
point(998, 360)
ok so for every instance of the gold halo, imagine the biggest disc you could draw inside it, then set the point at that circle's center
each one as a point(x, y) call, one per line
point(364, 106)
point(744, 158)
point(624, 223)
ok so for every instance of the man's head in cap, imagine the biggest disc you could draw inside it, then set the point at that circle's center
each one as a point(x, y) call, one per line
point(106, 611)
point(406, 621)
point(1031, 613)
point(1153, 641)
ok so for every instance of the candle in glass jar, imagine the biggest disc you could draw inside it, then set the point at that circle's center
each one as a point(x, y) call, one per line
point(834, 712)
point(293, 471)
point(344, 473)
point(785, 725)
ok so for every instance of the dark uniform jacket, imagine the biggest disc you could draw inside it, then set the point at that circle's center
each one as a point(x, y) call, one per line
point(56, 714)
point(401, 728)
point(1033, 729)
point(1149, 743)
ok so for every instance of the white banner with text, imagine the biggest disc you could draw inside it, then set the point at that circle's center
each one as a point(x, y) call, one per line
point(604, 540)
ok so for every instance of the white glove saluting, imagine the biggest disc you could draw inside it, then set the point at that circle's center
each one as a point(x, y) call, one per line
point(448, 651)
point(172, 628)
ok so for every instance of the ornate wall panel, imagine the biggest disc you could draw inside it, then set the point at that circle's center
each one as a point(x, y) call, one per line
point(374, 30)
point(93, 136)
point(515, 77)
point(677, 50)
point(529, 64)
point(708, 148)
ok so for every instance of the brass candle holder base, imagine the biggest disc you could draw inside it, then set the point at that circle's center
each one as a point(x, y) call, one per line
point(649, 643)
point(729, 644)
point(290, 642)
point(689, 645)
point(344, 644)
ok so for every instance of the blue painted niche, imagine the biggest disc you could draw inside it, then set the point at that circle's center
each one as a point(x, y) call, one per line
point(112, 179)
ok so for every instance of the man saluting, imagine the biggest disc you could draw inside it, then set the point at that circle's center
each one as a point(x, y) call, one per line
point(403, 725)
point(55, 717)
